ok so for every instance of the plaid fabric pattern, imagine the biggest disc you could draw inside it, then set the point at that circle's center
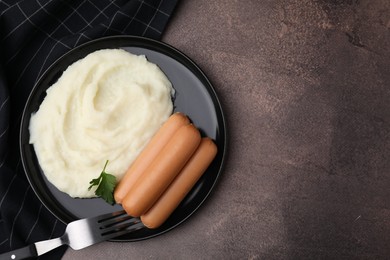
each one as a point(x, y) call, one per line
point(33, 34)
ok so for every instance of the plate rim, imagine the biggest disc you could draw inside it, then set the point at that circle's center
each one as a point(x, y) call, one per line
point(155, 44)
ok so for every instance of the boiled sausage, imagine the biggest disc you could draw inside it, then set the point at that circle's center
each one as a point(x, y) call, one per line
point(181, 185)
point(161, 172)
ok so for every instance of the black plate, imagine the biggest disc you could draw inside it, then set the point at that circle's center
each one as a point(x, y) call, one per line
point(195, 97)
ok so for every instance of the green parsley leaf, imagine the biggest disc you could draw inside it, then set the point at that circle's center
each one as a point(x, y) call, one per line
point(106, 183)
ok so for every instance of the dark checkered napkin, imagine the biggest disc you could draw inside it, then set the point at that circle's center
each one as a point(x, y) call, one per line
point(33, 34)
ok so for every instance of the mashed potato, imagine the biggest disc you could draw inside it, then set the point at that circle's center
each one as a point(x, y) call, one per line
point(106, 106)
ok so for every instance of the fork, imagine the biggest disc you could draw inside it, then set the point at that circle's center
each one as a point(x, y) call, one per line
point(81, 233)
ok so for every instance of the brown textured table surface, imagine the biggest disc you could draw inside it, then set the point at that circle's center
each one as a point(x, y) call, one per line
point(305, 86)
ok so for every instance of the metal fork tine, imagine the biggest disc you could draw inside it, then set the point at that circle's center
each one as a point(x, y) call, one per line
point(128, 229)
point(117, 224)
point(121, 224)
point(115, 220)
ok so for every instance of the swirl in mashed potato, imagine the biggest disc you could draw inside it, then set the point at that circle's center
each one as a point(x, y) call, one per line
point(106, 106)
